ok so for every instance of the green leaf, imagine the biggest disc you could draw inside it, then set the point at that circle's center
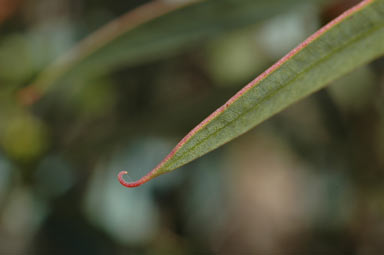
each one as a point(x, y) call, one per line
point(351, 40)
point(150, 32)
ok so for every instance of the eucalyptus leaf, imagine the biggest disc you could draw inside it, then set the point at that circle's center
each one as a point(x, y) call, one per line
point(351, 40)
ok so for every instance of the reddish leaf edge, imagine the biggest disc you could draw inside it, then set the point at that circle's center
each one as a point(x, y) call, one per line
point(155, 172)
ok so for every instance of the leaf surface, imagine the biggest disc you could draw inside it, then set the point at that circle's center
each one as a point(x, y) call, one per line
point(351, 40)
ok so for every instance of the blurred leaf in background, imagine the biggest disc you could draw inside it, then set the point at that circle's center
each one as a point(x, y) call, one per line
point(136, 38)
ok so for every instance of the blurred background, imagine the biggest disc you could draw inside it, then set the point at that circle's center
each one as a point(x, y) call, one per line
point(310, 180)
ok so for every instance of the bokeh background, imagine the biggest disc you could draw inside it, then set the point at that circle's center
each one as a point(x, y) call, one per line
point(310, 180)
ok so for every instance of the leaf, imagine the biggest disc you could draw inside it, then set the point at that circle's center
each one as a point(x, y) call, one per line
point(150, 32)
point(352, 39)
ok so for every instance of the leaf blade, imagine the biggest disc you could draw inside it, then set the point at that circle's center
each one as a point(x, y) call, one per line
point(354, 38)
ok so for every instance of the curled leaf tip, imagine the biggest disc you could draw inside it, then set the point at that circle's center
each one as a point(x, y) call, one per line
point(131, 184)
